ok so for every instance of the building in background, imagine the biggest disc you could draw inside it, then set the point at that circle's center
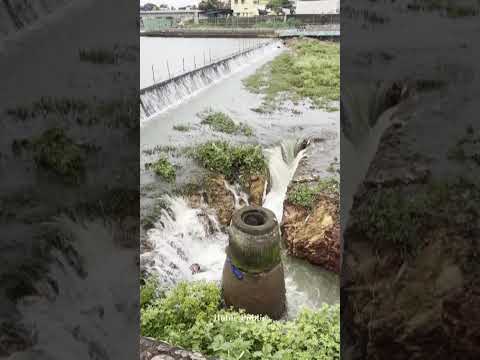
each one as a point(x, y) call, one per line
point(313, 7)
point(247, 7)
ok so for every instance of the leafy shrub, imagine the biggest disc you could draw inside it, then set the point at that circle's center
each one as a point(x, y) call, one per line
point(148, 292)
point(163, 168)
point(221, 122)
point(180, 309)
point(306, 195)
point(190, 316)
point(233, 161)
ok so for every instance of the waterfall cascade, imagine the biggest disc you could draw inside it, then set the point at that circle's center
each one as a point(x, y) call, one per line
point(185, 236)
point(283, 160)
point(163, 96)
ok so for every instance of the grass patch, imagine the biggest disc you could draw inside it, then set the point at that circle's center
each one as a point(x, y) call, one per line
point(400, 218)
point(107, 56)
point(163, 168)
point(445, 7)
point(97, 56)
point(159, 149)
point(311, 70)
point(430, 85)
point(307, 194)
point(190, 316)
point(122, 112)
point(221, 122)
point(467, 148)
point(235, 162)
point(54, 151)
point(182, 128)
point(149, 292)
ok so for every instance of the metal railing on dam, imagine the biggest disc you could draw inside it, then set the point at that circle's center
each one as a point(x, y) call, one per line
point(176, 87)
point(201, 64)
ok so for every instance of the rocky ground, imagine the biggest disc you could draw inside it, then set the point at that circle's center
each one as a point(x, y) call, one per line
point(311, 228)
point(413, 269)
point(151, 349)
point(409, 283)
point(218, 197)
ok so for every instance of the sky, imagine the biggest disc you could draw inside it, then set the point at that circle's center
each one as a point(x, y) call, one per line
point(175, 3)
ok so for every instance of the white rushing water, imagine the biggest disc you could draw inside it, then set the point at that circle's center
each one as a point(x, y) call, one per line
point(359, 155)
point(90, 313)
point(282, 163)
point(186, 236)
point(157, 100)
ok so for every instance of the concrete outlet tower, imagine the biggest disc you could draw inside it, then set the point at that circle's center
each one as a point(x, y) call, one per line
point(253, 277)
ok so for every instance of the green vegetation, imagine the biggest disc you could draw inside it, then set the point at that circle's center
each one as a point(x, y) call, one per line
point(429, 85)
point(212, 5)
point(446, 7)
point(107, 56)
point(149, 292)
point(54, 151)
point(97, 56)
point(235, 162)
point(190, 316)
point(163, 168)
point(182, 128)
point(121, 112)
point(159, 149)
point(399, 218)
point(270, 22)
point(48, 105)
point(467, 148)
point(307, 194)
point(311, 70)
point(221, 122)
point(278, 5)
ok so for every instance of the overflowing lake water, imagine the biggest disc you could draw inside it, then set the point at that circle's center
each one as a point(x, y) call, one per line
point(161, 57)
point(183, 235)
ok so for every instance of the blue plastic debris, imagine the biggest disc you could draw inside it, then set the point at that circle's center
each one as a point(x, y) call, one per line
point(238, 274)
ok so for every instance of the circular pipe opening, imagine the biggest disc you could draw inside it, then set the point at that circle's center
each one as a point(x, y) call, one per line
point(254, 218)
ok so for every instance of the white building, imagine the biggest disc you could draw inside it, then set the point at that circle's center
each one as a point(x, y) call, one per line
point(247, 7)
point(317, 7)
